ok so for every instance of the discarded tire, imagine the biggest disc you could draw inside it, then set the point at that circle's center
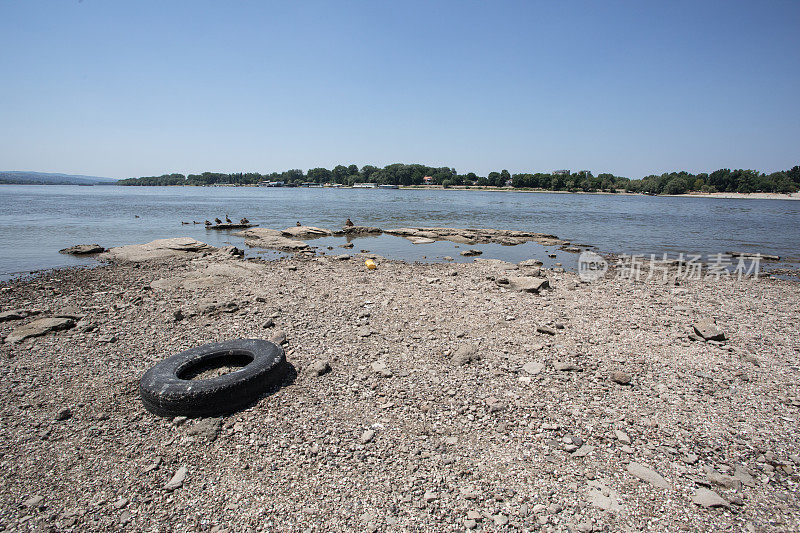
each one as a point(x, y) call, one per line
point(168, 390)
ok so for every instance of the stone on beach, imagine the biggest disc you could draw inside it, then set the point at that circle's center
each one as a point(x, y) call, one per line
point(306, 232)
point(708, 330)
point(648, 475)
point(528, 284)
point(82, 249)
point(39, 327)
point(158, 249)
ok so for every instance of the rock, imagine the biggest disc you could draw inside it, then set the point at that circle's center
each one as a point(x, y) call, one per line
point(691, 459)
point(708, 498)
point(268, 323)
point(364, 331)
point(465, 354)
point(603, 497)
point(744, 475)
point(621, 378)
point(650, 476)
point(39, 327)
point(721, 480)
point(430, 496)
point(359, 230)
point(179, 420)
point(278, 337)
point(17, 314)
point(177, 480)
point(622, 436)
point(471, 252)
point(545, 330)
point(367, 436)
point(420, 240)
point(64, 414)
point(271, 239)
point(533, 368)
point(474, 515)
point(83, 249)
point(341, 257)
point(530, 263)
point(562, 366)
point(495, 405)
point(527, 284)
point(34, 502)
point(708, 330)
point(319, 367)
point(159, 249)
point(306, 232)
point(500, 519)
point(583, 451)
point(379, 367)
point(470, 523)
point(229, 251)
point(206, 428)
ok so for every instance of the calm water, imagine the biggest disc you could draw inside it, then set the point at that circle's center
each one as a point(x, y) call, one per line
point(37, 221)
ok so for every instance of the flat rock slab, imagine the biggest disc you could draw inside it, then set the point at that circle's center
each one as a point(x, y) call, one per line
point(650, 476)
point(528, 284)
point(708, 330)
point(17, 314)
point(533, 368)
point(708, 498)
point(471, 253)
point(306, 232)
point(359, 230)
point(39, 327)
point(272, 239)
point(83, 249)
point(421, 240)
point(159, 249)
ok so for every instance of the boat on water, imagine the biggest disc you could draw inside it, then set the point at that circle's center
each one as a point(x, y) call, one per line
point(388, 186)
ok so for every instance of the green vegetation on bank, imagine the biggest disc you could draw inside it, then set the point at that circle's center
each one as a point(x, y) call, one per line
point(723, 180)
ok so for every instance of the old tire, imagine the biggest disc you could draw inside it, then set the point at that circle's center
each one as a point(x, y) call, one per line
point(166, 390)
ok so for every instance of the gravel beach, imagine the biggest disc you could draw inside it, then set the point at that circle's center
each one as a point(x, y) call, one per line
point(422, 397)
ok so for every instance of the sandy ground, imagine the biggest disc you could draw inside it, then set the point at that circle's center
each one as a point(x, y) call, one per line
point(453, 403)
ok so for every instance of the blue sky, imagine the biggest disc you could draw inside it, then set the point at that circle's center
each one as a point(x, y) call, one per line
point(126, 89)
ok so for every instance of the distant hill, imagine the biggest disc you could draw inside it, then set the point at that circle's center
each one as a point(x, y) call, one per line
point(46, 178)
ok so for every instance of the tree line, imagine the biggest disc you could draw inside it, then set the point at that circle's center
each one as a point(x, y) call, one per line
point(723, 180)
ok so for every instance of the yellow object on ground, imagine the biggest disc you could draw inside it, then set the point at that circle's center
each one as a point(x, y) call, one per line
point(370, 264)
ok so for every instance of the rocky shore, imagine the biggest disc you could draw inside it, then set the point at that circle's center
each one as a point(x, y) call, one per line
point(485, 396)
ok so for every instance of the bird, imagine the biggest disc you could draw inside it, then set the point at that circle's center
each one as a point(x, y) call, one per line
point(208, 222)
point(217, 220)
point(298, 223)
point(195, 222)
point(184, 223)
point(228, 220)
point(349, 223)
point(135, 216)
point(244, 221)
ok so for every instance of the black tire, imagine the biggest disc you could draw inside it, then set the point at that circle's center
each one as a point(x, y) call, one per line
point(166, 391)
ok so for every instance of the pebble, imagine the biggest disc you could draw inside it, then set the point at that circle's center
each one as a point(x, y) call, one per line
point(621, 378)
point(177, 480)
point(320, 367)
point(367, 436)
point(64, 414)
point(380, 368)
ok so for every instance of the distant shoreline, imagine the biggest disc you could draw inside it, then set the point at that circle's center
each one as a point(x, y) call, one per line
point(720, 195)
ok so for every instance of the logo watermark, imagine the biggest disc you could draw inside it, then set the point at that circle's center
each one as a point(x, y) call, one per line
point(593, 266)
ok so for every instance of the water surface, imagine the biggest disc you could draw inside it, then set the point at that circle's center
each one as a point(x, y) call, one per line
point(37, 221)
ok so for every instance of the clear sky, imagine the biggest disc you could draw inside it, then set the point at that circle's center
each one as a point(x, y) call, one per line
point(123, 89)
